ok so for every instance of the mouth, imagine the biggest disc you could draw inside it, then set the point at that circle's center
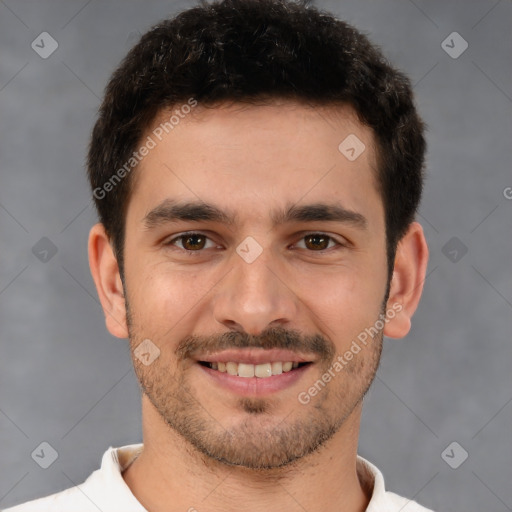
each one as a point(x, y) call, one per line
point(255, 372)
point(260, 371)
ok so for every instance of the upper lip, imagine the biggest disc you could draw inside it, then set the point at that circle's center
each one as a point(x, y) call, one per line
point(254, 356)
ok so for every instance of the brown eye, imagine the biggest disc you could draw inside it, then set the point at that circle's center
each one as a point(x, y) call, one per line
point(317, 241)
point(193, 242)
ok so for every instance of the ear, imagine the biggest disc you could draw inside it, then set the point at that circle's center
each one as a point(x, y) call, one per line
point(407, 282)
point(105, 272)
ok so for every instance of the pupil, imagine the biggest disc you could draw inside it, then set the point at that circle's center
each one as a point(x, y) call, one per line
point(318, 241)
point(192, 240)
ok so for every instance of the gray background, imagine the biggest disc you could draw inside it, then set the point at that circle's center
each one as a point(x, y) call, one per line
point(65, 380)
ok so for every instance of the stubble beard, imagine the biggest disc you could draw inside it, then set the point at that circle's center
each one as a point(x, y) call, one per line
point(260, 441)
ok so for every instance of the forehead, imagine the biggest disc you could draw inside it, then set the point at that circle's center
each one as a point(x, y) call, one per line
point(257, 158)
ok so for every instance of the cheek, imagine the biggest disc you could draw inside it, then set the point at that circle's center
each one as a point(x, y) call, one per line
point(162, 298)
point(344, 303)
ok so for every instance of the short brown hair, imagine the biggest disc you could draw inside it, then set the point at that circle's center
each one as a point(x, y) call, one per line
point(246, 50)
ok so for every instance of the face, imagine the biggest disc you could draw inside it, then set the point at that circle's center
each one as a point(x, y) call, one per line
point(253, 244)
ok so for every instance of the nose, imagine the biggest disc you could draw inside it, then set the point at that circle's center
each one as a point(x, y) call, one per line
point(254, 296)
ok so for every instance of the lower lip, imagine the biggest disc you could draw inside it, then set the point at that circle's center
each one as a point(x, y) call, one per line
point(256, 386)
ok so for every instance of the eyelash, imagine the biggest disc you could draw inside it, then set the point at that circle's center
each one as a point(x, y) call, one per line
point(181, 236)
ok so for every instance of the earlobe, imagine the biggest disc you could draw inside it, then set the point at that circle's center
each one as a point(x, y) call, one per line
point(407, 281)
point(105, 272)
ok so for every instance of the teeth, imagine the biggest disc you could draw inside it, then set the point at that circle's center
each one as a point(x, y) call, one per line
point(245, 370)
point(287, 366)
point(277, 368)
point(261, 371)
point(232, 368)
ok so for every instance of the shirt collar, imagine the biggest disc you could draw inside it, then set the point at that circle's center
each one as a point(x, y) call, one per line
point(117, 460)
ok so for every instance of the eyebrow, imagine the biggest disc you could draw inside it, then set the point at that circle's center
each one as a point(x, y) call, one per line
point(171, 210)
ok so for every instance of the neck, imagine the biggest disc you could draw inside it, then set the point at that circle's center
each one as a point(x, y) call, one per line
point(170, 471)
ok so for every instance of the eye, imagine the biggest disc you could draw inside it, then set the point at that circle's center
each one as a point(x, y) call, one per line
point(317, 242)
point(191, 242)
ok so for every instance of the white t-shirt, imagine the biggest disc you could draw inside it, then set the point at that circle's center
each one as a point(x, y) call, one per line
point(107, 491)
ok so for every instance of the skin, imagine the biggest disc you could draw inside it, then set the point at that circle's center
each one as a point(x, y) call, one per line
point(205, 446)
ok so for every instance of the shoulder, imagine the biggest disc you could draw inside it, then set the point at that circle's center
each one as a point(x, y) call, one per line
point(72, 499)
point(381, 499)
point(397, 503)
point(104, 490)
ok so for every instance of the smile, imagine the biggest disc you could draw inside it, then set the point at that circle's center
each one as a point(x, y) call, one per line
point(261, 371)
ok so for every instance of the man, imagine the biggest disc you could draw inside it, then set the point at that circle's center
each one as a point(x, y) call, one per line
point(256, 167)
